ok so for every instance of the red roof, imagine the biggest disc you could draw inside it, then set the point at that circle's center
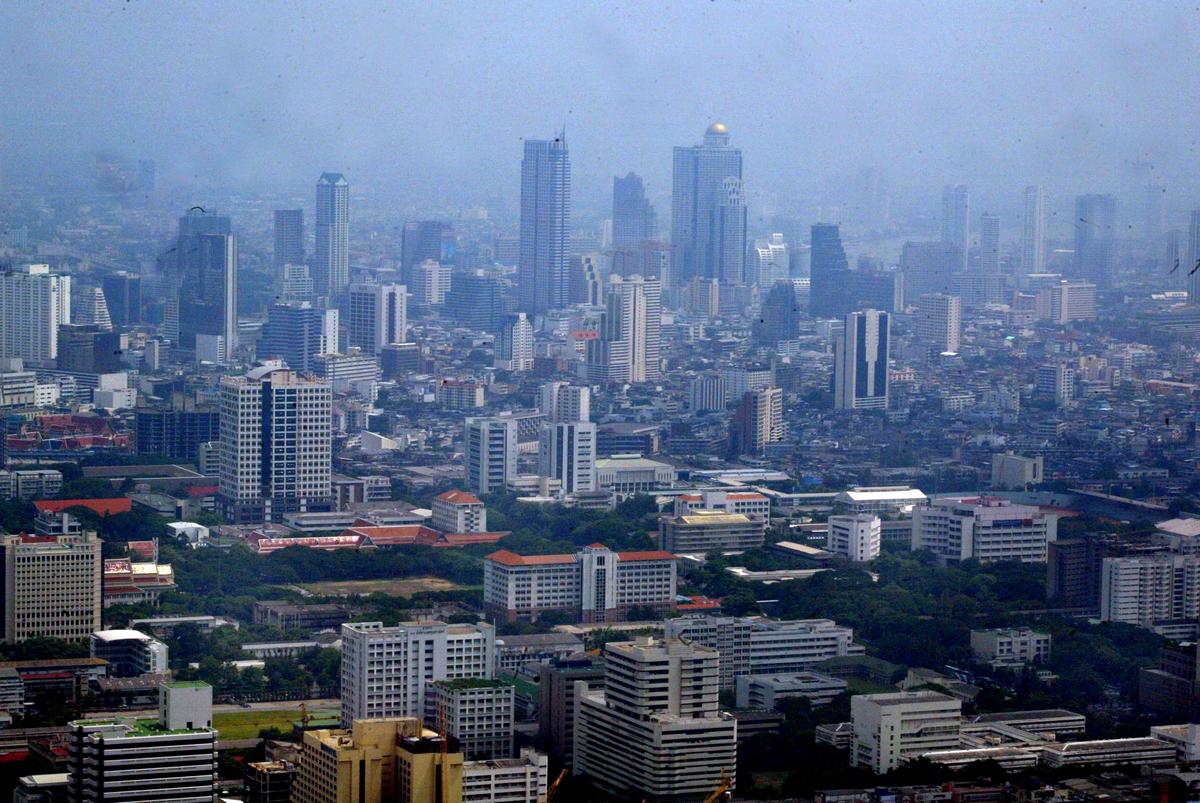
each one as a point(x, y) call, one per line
point(143, 549)
point(646, 554)
point(509, 558)
point(459, 498)
point(101, 507)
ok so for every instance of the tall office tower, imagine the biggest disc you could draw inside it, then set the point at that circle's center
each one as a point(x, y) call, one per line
point(514, 344)
point(289, 237)
point(208, 291)
point(629, 343)
point(633, 218)
point(171, 759)
point(956, 221)
point(92, 309)
point(1033, 231)
point(655, 732)
point(429, 282)
point(186, 285)
point(52, 586)
point(929, 267)
point(176, 428)
point(426, 239)
point(296, 333)
point(1155, 212)
point(757, 422)
point(123, 294)
point(490, 451)
point(989, 243)
point(275, 445)
point(768, 262)
point(34, 303)
point(474, 301)
point(567, 452)
point(830, 273)
point(779, 318)
point(562, 402)
point(86, 348)
point(939, 322)
point(1095, 230)
point(377, 316)
point(584, 284)
point(1193, 258)
point(860, 362)
point(706, 193)
point(333, 234)
point(542, 275)
point(386, 670)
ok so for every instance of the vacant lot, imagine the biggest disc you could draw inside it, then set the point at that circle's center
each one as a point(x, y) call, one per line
point(247, 724)
point(397, 588)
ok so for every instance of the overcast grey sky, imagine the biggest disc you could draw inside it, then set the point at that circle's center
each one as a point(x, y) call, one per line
point(994, 94)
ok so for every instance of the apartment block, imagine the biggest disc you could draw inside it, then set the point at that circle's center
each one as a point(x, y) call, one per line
point(459, 512)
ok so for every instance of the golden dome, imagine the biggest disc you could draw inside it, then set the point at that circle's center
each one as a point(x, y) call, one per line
point(718, 128)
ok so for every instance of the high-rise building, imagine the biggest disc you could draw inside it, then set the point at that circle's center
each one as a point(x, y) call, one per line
point(1095, 231)
point(585, 284)
point(567, 452)
point(708, 211)
point(332, 258)
point(296, 333)
point(556, 700)
point(514, 344)
point(563, 402)
point(426, 239)
point(175, 428)
point(956, 221)
point(939, 322)
point(294, 283)
point(386, 671)
point(377, 316)
point(92, 309)
point(429, 282)
point(51, 586)
point(86, 348)
point(275, 445)
point(707, 393)
point(1193, 258)
point(779, 318)
point(633, 218)
point(768, 262)
point(123, 294)
point(757, 422)
point(989, 243)
point(630, 331)
point(34, 304)
point(478, 712)
point(474, 301)
point(656, 732)
point(829, 272)
point(542, 267)
point(208, 290)
point(490, 452)
point(929, 267)
point(1033, 230)
point(860, 373)
point(289, 237)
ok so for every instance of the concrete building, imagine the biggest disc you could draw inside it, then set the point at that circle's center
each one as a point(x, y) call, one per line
point(377, 316)
point(296, 332)
point(956, 221)
point(429, 281)
point(708, 211)
point(52, 586)
point(514, 344)
point(459, 512)
point(1009, 647)
point(594, 585)
point(34, 303)
point(655, 731)
point(1014, 472)
point(757, 422)
point(332, 255)
point(986, 528)
point(764, 691)
point(752, 504)
point(386, 671)
point(891, 729)
point(1033, 230)
point(628, 474)
point(857, 537)
point(478, 712)
point(861, 362)
point(885, 500)
point(490, 453)
point(567, 453)
point(939, 322)
point(459, 394)
point(524, 779)
point(130, 653)
point(704, 530)
point(275, 445)
point(1146, 590)
point(627, 349)
point(558, 683)
point(563, 402)
point(543, 257)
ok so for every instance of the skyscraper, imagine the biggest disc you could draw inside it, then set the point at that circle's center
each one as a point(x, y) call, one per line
point(289, 237)
point(490, 451)
point(1033, 235)
point(1193, 258)
point(123, 294)
point(542, 275)
point(939, 322)
point(474, 301)
point(989, 243)
point(956, 220)
point(333, 234)
point(627, 349)
point(514, 344)
point(208, 291)
point(829, 272)
point(708, 210)
point(1095, 228)
point(298, 332)
point(567, 452)
point(34, 303)
point(768, 262)
point(377, 316)
point(757, 422)
point(426, 239)
point(860, 363)
point(275, 445)
point(92, 308)
point(633, 218)
point(779, 318)
point(561, 401)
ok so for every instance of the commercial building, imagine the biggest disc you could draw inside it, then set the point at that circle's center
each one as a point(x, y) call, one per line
point(594, 585)
point(514, 344)
point(289, 237)
point(205, 283)
point(176, 428)
point(704, 530)
point(860, 361)
point(559, 682)
point(34, 303)
point(858, 537)
point(755, 645)
point(52, 586)
point(275, 445)
point(655, 731)
point(1033, 230)
point(459, 512)
point(377, 316)
point(882, 500)
point(764, 691)
point(458, 394)
point(1010, 647)
point(562, 402)
point(429, 282)
point(426, 239)
point(628, 345)
point(130, 653)
point(269, 781)
point(542, 264)
point(332, 257)
point(890, 729)
point(478, 712)
point(986, 528)
point(386, 671)
point(296, 332)
point(567, 453)
point(490, 453)
point(1095, 238)
point(708, 211)
point(123, 295)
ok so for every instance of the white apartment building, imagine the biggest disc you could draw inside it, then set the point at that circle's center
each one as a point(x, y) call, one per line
point(756, 645)
point(707, 394)
point(627, 349)
point(986, 528)
point(52, 586)
point(476, 711)
point(459, 512)
point(490, 453)
point(567, 453)
point(377, 316)
point(275, 447)
point(857, 537)
point(750, 504)
point(429, 283)
point(514, 344)
point(387, 671)
point(1146, 589)
point(1010, 646)
point(890, 729)
point(33, 303)
point(507, 780)
point(939, 322)
point(655, 732)
point(562, 401)
point(596, 584)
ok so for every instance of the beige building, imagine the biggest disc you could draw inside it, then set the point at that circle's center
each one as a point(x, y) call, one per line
point(702, 530)
point(51, 586)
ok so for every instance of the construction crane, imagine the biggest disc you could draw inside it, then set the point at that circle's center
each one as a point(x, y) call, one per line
point(722, 790)
point(553, 788)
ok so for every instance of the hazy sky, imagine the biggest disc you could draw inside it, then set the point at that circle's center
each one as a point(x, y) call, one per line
point(413, 96)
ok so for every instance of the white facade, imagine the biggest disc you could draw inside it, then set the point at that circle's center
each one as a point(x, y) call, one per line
point(33, 303)
point(988, 529)
point(567, 453)
point(490, 453)
point(377, 316)
point(514, 344)
point(1013, 472)
point(1010, 646)
point(890, 729)
point(939, 322)
point(386, 671)
point(750, 504)
point(857, 537)
point(562, 402)
point(628, 347)
point(479, 713)
point(507, 780)
point(1033, 231)
point(430, 282)
point(1146, 589)
point(626, 474)
point(459, 512)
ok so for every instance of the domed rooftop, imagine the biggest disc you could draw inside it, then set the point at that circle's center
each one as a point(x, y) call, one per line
point(717, 128)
